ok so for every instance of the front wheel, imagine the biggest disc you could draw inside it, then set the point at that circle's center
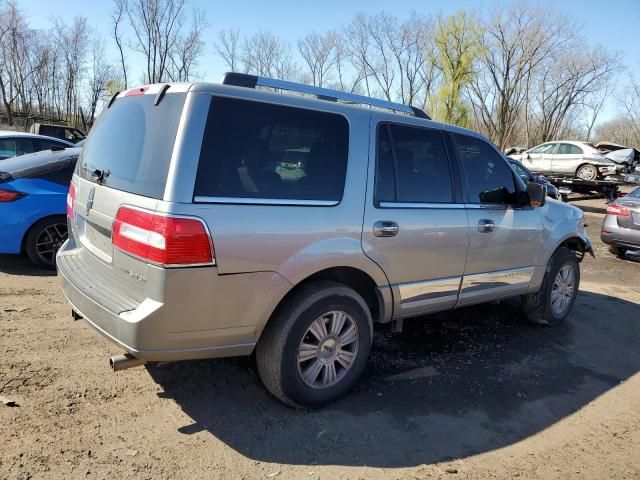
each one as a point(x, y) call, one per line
point(316, 346)
point(555, 299)
point(587, 172)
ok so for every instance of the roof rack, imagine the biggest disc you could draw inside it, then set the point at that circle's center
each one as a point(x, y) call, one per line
point(253, 81)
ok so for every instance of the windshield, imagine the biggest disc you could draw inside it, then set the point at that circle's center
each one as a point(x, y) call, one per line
point(130, 145)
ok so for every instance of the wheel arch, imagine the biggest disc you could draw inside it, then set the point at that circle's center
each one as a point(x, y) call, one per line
point(378, 299)
point(34, 223)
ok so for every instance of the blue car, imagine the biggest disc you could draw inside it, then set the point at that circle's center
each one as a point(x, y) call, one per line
point(33, 193)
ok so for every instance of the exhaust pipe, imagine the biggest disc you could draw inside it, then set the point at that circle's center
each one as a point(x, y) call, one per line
point(122, 362)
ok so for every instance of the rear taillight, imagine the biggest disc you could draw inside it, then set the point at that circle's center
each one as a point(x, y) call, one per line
point(619, 210)
point(162, 239)
point(71, 197)
point(10, 195)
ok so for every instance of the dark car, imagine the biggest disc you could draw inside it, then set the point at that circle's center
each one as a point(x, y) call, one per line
point(621, 226)
point(525, 174)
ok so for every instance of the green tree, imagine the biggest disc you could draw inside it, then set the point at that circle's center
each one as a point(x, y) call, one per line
point(457, 45)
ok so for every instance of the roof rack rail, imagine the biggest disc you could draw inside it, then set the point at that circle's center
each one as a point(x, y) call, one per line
point(253, 81)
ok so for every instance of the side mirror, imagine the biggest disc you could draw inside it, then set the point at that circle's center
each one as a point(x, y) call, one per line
point(537, 194)
point(495, 196)
point(528, 156)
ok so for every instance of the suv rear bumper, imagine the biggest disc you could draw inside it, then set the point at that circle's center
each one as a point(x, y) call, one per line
point(225, 321)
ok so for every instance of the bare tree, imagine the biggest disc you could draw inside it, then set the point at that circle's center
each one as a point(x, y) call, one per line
point(319, 52)
point(99, 75)
point(188, 50)
point(266, 54)
point(228, 48)
point(156, 25)
point(516, 40)
point(566, 81)
point(593, 105)
point(117, 18)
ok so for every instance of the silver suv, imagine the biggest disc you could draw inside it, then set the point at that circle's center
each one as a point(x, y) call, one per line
point(215, 220)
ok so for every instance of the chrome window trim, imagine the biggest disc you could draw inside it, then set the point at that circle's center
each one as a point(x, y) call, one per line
point(486, 206)
point(265, 201)
point(448, 206)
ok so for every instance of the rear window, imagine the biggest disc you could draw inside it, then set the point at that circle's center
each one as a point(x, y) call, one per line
point(264, 151)
point(132, 143)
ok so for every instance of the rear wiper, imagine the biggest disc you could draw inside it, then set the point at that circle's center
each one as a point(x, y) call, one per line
point(100, 175)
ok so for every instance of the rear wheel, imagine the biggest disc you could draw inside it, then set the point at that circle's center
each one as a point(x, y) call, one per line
point(618, 251)
point(555, 299)
point(587, 172)
point(44, 239)
point(316, 346)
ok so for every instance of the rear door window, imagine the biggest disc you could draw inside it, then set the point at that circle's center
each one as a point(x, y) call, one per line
point(265, 151)
point(132, 143)
point(418, 160)
point(568, 149)
point(485, 170)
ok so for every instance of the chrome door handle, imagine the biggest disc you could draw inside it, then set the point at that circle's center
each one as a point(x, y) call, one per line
point(385, 228)
point(486, 226)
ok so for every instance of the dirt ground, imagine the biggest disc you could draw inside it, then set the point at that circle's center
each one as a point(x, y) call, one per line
point(476, 393)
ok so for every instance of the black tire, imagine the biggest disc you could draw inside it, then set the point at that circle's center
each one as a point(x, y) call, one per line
point(538, 306)
point(38, 232)
point(277, 350)
point(589, 172)
point(618, 251)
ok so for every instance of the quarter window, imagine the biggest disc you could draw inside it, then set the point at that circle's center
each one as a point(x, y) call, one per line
point(259, 150)
point(417, 159)
point(486, 171)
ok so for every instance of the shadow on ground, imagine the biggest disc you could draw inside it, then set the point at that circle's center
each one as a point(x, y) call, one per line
point(20, 265)
point(451, 386)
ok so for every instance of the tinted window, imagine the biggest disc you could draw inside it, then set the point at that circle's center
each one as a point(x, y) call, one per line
point(40, 144)
point(51, 131)
point(420, 163)
point(486, 171)
point(385, 170)
point(132, 142)
point(568, 149)
point(24, 146)
point(544, 148)
point(7, 148)
point(259, 150)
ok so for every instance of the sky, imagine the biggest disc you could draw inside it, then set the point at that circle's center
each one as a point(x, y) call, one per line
point(614, 24)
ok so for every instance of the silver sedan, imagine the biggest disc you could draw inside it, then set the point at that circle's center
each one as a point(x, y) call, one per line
point(621, 226)
point(569, 158)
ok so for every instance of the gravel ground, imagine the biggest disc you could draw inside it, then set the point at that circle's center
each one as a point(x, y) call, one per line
point(475, 393)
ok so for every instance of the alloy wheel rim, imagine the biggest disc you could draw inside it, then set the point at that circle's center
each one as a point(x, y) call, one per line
point(563, 290)
point(587, 173)
point(49, 242)
point(328, 349)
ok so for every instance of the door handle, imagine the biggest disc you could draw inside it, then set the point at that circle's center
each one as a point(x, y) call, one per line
point(385, 228)
point(486, 226)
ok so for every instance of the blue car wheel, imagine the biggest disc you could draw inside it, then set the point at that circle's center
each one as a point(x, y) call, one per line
point(45, 239)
